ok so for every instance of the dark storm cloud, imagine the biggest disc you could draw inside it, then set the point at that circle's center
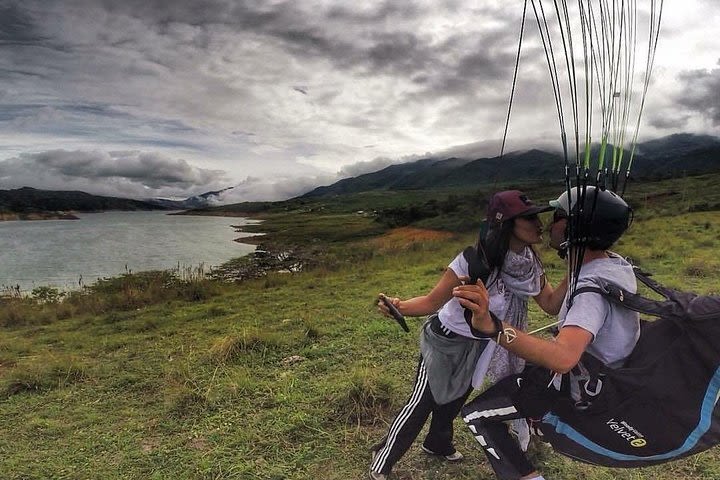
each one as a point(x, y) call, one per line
point(670, 119)
point(699, 93)
point(384, 39)
point(6, 72)
point(19, 110)
point(385, 11)
point(98, 120)
point(350, 38)
point(152, 171)
point(16, 26)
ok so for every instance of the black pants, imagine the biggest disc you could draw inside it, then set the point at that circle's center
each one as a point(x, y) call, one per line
point(506, 400)
point(408, 423)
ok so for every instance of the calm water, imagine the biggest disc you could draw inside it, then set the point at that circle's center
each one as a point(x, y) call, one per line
point(59, 252)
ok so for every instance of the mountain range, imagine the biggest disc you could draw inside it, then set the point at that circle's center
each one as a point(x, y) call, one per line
point(679, 154)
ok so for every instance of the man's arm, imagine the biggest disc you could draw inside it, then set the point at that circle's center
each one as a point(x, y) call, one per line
point(550, 299)
point(559, 355)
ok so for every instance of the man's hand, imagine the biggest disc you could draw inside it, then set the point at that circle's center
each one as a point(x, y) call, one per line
point(477, 300)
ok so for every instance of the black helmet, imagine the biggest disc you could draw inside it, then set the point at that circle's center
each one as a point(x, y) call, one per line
point(603, 219)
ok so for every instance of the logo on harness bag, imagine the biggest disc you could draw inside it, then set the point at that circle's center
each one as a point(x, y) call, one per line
point(627, 432)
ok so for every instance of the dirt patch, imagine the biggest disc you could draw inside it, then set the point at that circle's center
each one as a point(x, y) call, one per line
point(199, 443)
point(148, 445)
point(403, 237)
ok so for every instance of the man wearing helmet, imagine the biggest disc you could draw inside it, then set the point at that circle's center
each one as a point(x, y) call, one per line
point(589, 327)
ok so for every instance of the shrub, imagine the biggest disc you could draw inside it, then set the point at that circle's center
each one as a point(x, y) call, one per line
point(12, 314)
point(22, 312)
point(47, 294)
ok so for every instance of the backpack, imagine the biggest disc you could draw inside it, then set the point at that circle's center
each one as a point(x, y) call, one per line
point(662, 404)
point(478, 269)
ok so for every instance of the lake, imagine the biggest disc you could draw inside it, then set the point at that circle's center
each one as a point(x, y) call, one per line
point(61, 252)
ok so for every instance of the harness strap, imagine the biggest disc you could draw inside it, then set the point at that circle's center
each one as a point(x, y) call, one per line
point(629, 300)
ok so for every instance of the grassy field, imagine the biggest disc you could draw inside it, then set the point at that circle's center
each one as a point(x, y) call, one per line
point(290, 376)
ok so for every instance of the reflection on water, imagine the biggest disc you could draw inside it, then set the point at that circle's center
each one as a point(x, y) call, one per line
point(61, 252)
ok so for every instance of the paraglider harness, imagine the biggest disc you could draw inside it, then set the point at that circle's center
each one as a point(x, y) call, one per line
point(659, 406)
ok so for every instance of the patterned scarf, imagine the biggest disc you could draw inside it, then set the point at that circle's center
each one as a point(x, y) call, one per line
point(521, 277)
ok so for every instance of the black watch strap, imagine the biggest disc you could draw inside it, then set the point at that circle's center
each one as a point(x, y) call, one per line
point(477, 333)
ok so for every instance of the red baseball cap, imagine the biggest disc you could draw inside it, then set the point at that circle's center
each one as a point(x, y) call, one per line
point(509, 204)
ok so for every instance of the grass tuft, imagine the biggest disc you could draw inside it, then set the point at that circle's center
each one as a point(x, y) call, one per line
point(367, 400)
point(701, 268)
point(311, 330)
point(42, 375)
point(231, 347)
point(184, 401)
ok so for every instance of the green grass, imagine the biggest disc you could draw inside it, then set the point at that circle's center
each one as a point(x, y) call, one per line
point(291, 376)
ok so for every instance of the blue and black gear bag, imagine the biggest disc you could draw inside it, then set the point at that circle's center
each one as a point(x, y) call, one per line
point(662, 404)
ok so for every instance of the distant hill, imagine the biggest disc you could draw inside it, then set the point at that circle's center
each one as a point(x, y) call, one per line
point(680, 154)
point(28, 200)
point(677, 145)
point(31, 203)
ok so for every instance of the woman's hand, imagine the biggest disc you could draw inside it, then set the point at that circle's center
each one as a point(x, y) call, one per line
point(383, 309)
point(476, 299)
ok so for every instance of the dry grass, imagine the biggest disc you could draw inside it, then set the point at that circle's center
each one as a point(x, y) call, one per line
point(403, 237)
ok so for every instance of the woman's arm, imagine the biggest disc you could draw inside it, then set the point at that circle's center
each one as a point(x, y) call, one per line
point(550, 299)
point(429, 303)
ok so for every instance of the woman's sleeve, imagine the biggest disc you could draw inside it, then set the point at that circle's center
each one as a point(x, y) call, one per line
point(459, 265)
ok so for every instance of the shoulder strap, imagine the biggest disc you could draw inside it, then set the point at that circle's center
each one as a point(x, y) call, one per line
point(478, 268)
point(645, 277)
point(629, 300)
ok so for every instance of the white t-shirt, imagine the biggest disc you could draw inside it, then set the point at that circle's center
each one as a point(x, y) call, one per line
point(452, 314)
point(615, 329)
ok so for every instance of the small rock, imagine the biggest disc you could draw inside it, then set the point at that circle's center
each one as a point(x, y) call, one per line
point(293, 359)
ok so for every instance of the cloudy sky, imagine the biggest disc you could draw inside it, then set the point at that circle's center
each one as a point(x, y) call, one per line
point(144, 98)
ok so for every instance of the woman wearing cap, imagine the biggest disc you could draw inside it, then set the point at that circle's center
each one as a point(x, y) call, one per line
point(452, 359)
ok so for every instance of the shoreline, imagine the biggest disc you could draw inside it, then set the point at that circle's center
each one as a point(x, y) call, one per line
point(34, 216)
point(223, 213)
point(237, 242)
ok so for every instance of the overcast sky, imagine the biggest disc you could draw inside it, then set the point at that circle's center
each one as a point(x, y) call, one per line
point(146, 98)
